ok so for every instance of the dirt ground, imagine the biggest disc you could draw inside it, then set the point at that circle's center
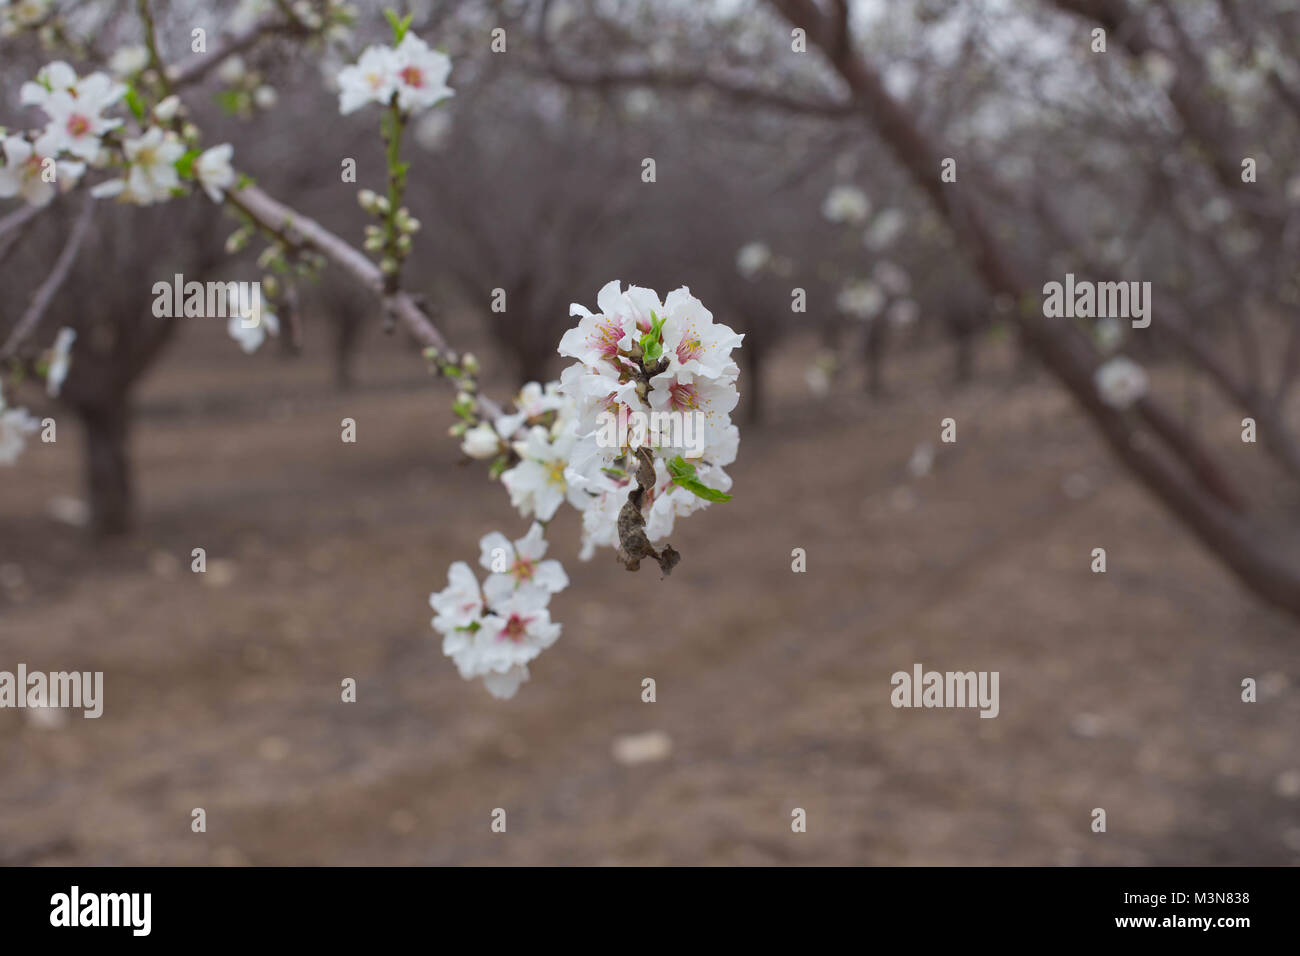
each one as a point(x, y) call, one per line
point(1118, 690)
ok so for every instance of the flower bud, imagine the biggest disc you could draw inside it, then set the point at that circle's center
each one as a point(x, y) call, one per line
point(168, 109)
point(469, 363)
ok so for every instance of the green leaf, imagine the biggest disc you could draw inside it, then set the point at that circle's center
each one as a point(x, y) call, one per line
point(185, 165)
point(651, 345)
point(683, 473)
point(400, 25)
point(245, 181)
point(134, 103)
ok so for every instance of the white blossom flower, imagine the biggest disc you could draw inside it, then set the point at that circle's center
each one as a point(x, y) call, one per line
point(752, 258)
point(32, 172)
point(533, 401)
point(516, 631)
point(1121, 382)
point(15, 425)
point(861, 299)
point(214, 171)
point(250, 331)
point(232, 71)
point(265, 97)
point(60, 359)
point(372, 79)
point(22, 14)
point(847, 204)
point(54, 77)
point(459, 604)
point(151, 169)
point(884, 229)
point(522, 563)
point(537, 485)
point(421, 75)
point(481, 442)
point(598, 337)
point(692, 342)
point(167, 109)
point(505, 685)
point(76, 120)
point(129, 60)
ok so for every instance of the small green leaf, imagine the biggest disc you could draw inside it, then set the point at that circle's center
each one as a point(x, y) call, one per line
point(245, 181)
point(400, 25)
point(683, 473)
point(185, 165)
point(134, 103)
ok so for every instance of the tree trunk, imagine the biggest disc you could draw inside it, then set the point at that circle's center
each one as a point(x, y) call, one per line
point(108, 468)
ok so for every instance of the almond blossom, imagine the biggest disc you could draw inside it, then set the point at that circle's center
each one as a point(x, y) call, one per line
point(32, 171)
point(524, 567)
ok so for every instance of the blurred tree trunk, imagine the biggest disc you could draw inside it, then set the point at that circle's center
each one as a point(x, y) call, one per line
point(108, 467)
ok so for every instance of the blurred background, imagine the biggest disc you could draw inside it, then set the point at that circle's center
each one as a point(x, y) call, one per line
point(797, 145)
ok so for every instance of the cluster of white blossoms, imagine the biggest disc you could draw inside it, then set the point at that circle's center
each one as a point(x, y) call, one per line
point(79, 134)
point(411, 75)
point(846, 204)
point(495, 630)
point(636, 357)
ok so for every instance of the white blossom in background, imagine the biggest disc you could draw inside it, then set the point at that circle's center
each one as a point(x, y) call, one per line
point(884, 230)
point(251, 331)
point(128, 60)
point(60, 359)
point(15, 425)
point(1121, 382)
point(862, 299)
point(214, 172)
point(846, 204)
point(232, 71)
point(481, 442)
point(24, 166)
point(752, 258)
point(21, 14)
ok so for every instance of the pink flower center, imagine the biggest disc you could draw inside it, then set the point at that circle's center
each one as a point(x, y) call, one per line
point(412, 76)
point(524, 569)
point(516, 628)
point(683, 397)
point(78, 125)
point(607, 336)
point(689, 349)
